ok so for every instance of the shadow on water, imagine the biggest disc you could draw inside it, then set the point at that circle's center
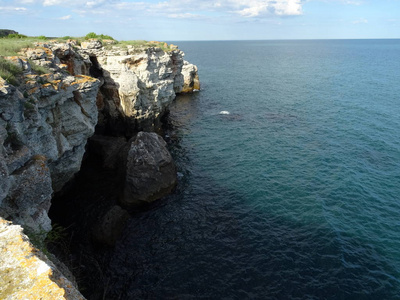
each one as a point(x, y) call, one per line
point(206, 242)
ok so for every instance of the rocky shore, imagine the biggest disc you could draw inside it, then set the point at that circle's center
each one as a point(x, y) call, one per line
point(99, 99)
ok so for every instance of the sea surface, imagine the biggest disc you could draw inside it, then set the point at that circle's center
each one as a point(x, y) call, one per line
point(295, 194)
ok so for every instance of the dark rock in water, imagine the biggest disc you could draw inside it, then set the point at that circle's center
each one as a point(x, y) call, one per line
point(150, 170)
point(110, 226)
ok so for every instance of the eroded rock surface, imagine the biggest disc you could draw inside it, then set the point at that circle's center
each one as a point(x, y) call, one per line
point(26, 273)
point(45, 123)
point(44, 128)
point(119, 90)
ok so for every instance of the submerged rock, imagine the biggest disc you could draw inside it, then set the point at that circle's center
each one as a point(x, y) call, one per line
point(110, 226)
point(150, 171)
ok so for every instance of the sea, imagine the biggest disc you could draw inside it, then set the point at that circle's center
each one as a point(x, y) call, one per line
point(289, 178)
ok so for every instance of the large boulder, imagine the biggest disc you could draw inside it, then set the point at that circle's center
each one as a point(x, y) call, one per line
point(110, 226)
point(150, 170)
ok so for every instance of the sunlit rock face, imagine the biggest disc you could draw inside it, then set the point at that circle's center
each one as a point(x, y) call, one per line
point(138, 84)
point(45, 122)
point(44, 126)
point(26, 273)
point(64, 94)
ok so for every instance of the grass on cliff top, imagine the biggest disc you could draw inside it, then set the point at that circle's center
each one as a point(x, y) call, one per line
point(11, 47)
point(11, 44)
point(141, 44)
point(9, 71)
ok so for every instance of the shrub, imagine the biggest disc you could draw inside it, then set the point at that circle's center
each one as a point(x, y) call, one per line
point(92, 35)
point(15, 36)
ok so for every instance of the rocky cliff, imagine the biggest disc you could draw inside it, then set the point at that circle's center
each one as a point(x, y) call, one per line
point(46, 120)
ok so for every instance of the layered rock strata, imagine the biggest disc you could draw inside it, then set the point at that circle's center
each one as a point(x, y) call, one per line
point(45, 123)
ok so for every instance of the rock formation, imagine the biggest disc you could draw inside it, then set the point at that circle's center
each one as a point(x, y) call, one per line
point(150, 169)
point(45, 123)
point(26, 273)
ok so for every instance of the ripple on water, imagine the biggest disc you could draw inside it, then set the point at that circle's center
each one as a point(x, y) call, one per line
point(293, 195)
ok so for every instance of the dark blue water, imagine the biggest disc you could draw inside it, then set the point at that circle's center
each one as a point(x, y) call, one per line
point(293, 195)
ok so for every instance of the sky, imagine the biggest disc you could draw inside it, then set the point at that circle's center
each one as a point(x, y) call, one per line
point(178, 20)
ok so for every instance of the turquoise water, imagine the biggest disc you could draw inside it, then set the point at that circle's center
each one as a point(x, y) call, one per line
point(293, 195)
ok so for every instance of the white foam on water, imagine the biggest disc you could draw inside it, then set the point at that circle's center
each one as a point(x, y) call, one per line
point(224, 112)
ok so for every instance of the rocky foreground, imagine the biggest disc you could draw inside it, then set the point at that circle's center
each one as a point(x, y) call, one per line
point(45, 124)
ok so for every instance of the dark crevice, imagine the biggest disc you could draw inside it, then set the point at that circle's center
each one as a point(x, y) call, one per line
point(95, 69)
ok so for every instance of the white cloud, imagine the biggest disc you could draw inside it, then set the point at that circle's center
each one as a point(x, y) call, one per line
point(52, 2)
point(255, 8)
point(65, 17)
point(184, 8)
point(246, 8)
point(12, 8)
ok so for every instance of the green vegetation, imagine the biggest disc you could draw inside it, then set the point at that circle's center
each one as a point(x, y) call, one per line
point(42, 37)
point(12, 42)
point(15, 36)
point(92, 35)
point(45, 240)
point(4, 32)
point(11, 47)
point(9, 71)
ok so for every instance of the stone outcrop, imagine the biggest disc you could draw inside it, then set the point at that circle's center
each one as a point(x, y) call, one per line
point(65, 94)
point(44, 126)
point(139, 84)
point(46, 121)
point(26, 273)
point(150, 170)
point(191, 78)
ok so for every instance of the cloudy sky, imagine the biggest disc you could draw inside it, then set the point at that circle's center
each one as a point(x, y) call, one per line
point(173, 20)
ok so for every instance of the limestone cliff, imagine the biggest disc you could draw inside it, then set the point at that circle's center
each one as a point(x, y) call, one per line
point(46, 120)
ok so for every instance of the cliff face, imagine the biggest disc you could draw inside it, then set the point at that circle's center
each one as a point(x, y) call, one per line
point(46, 121)
point(138, 83)
point(44, 126)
